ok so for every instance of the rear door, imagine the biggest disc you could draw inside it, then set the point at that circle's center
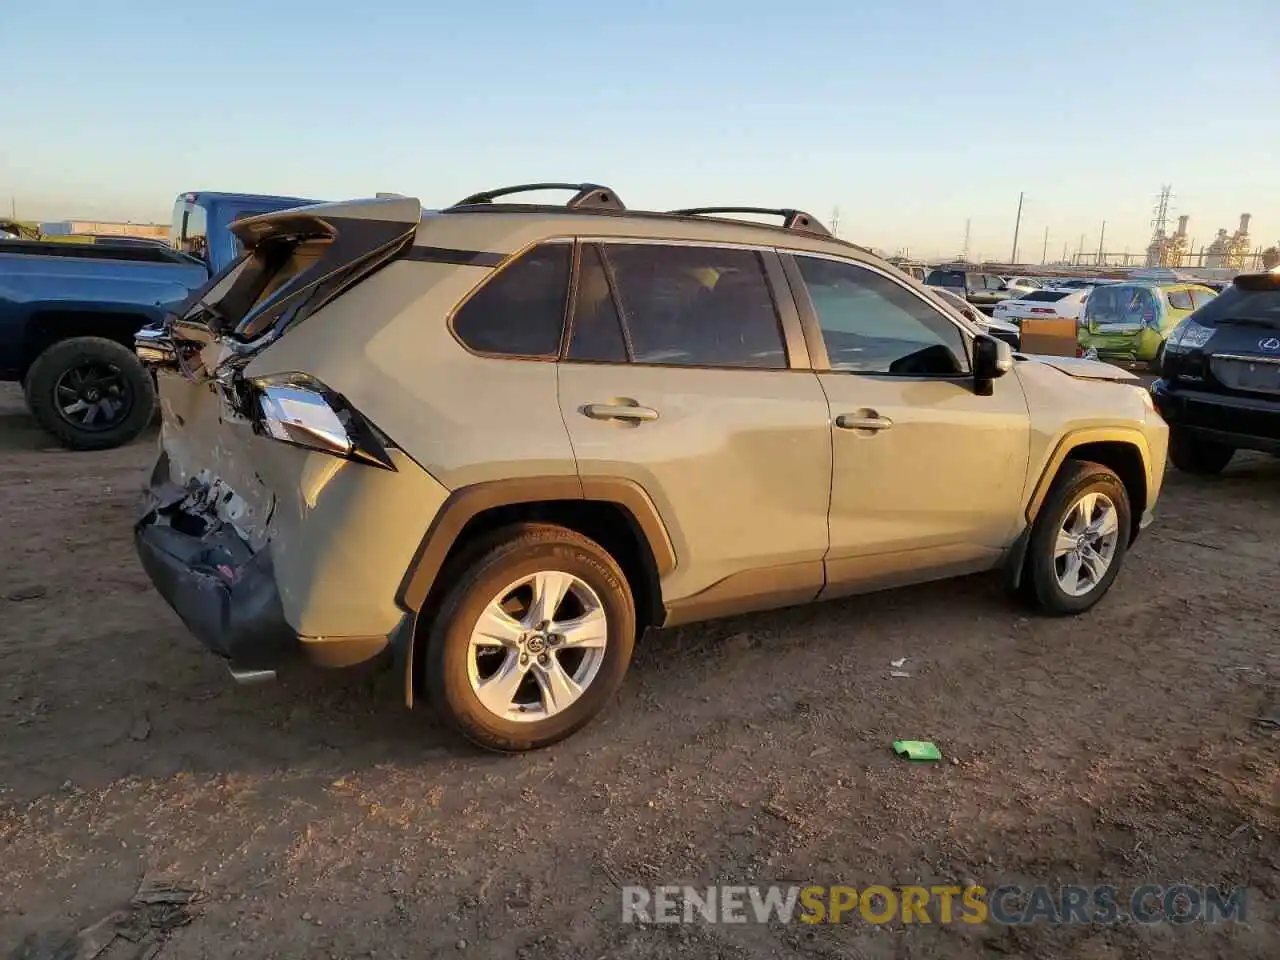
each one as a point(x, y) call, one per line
point(681, 374)
point(927, 476)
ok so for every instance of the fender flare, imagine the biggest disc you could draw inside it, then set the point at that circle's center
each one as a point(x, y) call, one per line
point(1078, 438)
point(466, 503)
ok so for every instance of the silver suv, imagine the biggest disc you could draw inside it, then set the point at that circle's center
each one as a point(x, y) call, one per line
point(497, 442)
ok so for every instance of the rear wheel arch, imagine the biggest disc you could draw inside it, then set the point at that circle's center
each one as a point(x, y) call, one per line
point(615, 513)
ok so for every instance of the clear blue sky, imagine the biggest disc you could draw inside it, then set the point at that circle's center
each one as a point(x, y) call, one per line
point(908, 116)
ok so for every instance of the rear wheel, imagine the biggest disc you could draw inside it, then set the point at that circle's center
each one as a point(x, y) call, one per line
point(532, 640)
point(1079, 539)
point(90, 393)
point(1190, 454)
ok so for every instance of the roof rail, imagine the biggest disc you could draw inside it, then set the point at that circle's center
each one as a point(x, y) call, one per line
point(791, 219)
point(587, 196)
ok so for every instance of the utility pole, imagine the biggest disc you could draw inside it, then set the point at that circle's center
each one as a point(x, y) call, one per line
point(1044, 254)
point(13, 207)
point(1080, 250)
point(1101, 237)
point(1016, 225)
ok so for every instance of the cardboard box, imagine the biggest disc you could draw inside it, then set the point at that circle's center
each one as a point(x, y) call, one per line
point(1055, 337)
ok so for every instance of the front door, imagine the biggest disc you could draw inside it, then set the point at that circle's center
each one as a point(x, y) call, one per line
point(927, 476)
point(676, 376)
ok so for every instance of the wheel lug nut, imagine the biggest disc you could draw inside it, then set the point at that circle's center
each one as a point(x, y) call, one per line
point(543, 659)
point(524, 659)
point(553, 639)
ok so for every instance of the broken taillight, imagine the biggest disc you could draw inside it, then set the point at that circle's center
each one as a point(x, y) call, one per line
point(299, 410)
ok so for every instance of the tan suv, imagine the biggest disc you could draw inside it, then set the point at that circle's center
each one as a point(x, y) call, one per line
point(496, 442)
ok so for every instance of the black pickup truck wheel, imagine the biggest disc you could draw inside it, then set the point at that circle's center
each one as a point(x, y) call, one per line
point(90, 393)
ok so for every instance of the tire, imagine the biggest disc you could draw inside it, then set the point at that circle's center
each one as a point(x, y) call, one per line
point(130, 392)
point(1075, 481)
point(1191, 454)
point(452, 670)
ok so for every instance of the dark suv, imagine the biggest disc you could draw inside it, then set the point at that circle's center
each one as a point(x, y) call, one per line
point(1220, 377)
point(983, 290)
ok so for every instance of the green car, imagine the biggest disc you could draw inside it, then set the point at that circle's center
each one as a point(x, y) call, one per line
point(1128, 323)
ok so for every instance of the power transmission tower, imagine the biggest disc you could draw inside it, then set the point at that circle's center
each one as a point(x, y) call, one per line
point(964, 250)
point(1160, 223)
point(1044, 254)
point(835, 221)
point(1101, 238)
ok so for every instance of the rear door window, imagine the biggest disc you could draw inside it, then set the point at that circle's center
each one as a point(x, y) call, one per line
point(519, 312)
point(695, 305)
point(872, 324)
point(1180, 300)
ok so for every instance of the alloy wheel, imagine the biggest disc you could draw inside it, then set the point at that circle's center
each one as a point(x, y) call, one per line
point(537, 646)
point(1086, 544)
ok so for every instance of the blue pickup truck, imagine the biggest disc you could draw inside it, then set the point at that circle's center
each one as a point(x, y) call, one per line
point(69, 312)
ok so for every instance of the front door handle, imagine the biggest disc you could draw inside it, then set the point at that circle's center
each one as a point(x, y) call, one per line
point(629, 412)
point(847, 421)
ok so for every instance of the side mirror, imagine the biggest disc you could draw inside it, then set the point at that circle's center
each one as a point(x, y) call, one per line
point(991, 358)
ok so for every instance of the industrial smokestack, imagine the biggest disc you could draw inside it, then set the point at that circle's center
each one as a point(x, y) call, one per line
point(1244, 223)
point(1182, 226)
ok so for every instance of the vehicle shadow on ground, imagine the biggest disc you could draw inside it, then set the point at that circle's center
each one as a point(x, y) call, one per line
point(171, 710)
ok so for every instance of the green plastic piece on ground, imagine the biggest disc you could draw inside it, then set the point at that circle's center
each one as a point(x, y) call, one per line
point(917, 749)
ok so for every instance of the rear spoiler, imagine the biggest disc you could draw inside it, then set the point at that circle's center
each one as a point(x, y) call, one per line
point(320, 220)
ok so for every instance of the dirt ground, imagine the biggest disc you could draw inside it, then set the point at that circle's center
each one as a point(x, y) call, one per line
point(318, 818)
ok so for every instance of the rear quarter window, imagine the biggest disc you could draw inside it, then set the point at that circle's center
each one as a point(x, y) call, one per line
point(1180, 300)
point(519, 311)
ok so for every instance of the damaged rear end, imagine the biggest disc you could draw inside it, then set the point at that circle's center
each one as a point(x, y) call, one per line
point(266, 524)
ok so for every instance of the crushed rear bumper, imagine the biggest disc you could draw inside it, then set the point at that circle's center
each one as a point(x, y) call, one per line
point(225, 592)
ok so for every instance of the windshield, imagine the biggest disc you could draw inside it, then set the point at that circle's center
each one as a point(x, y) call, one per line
point(1240, 304)
point(1044, 296)
point(1121, 305)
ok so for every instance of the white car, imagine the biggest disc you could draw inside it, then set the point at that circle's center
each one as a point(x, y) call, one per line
point(997, 328)
point(1021, 284)
point(1043, 305)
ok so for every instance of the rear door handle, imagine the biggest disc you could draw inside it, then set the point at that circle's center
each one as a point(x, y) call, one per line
point(630, 412)
point(847, 421)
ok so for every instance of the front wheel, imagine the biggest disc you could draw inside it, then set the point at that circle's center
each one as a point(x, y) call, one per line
point(1190, 454)
point(90, 393)
point(532, 640)
point(1079, 539)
